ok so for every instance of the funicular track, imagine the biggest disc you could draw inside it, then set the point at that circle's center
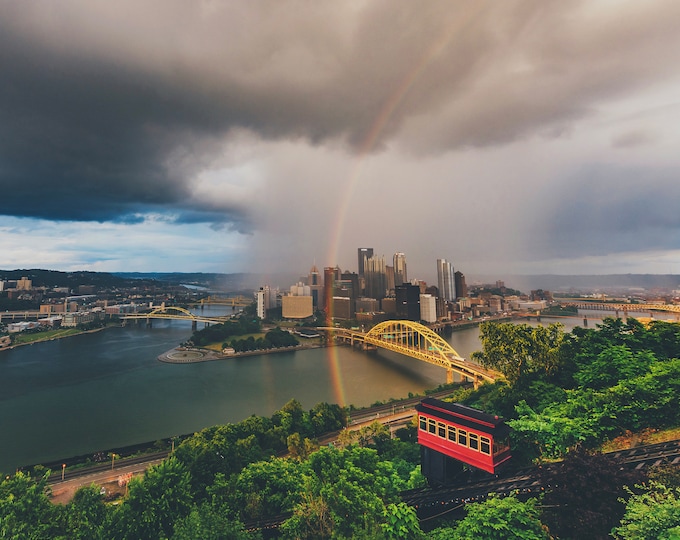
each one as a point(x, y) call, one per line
point(526, 481)
point(529, 480)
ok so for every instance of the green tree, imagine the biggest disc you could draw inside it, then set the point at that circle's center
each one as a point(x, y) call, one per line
point(25, 509)
point(325, 418)
point(344, 495)
point(155, 502)
point(207, 523)
point(504, 518)
point(401, 521)
point(653, 514)
point(264, 489)
point(612, 365)
point(86, 514)
point(517, 350)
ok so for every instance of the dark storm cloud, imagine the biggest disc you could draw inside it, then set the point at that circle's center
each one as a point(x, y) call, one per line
point(111, 110)
point(609, 210)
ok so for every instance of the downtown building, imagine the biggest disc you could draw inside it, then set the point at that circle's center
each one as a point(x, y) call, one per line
point(446, 280)
point(375, 275)
point(399, 265)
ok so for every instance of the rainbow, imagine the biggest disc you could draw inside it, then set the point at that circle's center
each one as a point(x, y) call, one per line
point(367, 145)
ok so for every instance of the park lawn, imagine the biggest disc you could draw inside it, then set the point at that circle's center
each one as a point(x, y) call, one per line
point(22, 339)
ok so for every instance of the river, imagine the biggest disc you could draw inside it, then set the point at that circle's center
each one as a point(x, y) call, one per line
point(97, 391)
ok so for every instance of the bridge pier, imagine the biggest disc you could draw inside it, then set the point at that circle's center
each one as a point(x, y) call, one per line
point(149, 324)
point(449, 376)
point(194, 325)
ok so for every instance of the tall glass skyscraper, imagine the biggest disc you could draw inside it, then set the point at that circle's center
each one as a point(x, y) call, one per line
point(374, 273)
point(399, 262)
point(363, 253)
point(446, 280)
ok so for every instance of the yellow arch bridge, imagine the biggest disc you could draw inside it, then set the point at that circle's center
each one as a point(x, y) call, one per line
point(174, 313)
point(417, 341)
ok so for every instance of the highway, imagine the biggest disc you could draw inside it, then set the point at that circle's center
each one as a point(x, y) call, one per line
point(394, 415)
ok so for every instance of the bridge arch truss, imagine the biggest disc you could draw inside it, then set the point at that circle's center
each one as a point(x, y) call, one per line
point(176, 313)
point(418, 341)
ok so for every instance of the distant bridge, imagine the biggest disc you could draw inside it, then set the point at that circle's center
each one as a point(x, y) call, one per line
point(618, 306)
point(417, 341)
point(175, 313)
point(233, 301)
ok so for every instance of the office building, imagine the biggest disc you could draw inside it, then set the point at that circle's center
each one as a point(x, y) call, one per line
point(428, 308)
point(363, 253)
point(328, 284)
point(446, 280)
point(389, 278)
point(399, 263)
point(461, 287)
point(408, 301)
point(296, 307)
point(262, 300)
point(375, 276)
point(316, 287)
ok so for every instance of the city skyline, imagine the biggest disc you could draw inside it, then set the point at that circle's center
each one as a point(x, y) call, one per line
point(514, 138)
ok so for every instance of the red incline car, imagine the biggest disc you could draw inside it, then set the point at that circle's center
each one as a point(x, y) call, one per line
point(450, 431)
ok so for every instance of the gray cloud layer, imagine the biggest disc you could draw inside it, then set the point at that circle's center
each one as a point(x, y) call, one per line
point(110, 110)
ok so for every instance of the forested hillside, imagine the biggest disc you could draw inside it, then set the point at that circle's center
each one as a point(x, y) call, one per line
point(565, 395)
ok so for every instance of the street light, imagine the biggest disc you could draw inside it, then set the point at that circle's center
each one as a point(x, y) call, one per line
point(63, 469)
point(113, 457)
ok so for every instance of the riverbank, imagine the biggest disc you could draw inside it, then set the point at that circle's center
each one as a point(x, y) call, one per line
point(186, 355)
point(56, 334)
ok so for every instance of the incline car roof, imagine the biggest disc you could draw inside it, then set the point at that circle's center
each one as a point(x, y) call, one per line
point(457, 410)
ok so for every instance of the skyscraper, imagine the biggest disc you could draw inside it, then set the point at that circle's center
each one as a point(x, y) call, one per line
point(328, 284)
point(461, 287)
point(314, 282)
point(399, 263)
point(446, 280)
point(408, 302)
point(363, 253)
point(375, 275)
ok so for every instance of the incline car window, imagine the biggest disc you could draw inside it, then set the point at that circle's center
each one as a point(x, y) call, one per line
point(474, 441)
point(485, 446)
point(462, 437)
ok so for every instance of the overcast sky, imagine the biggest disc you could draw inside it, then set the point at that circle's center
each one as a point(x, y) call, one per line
point(507, 137)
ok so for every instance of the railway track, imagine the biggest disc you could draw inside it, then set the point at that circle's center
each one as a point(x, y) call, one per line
point(529, 480)
point(526, 481)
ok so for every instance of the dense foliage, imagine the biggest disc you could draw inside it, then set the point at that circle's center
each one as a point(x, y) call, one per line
point(273, 339)
point(584, 387)
point(563, 394)
point(218, 333)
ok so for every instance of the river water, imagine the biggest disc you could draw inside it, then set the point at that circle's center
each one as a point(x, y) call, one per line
point(107, 389)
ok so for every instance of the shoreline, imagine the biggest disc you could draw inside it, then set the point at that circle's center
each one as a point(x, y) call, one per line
point(186, 355)
point(55, 338)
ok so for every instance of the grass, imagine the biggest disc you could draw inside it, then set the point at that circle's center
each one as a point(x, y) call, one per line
point(22, 339)
point(646, 436)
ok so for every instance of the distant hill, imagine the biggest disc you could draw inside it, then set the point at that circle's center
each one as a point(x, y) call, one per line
point(237, 282)
point(54, 278)
point(245, 282)
point(552, 282)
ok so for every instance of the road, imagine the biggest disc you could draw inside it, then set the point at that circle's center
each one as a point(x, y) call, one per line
point(394, 415)
point(63, 492)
